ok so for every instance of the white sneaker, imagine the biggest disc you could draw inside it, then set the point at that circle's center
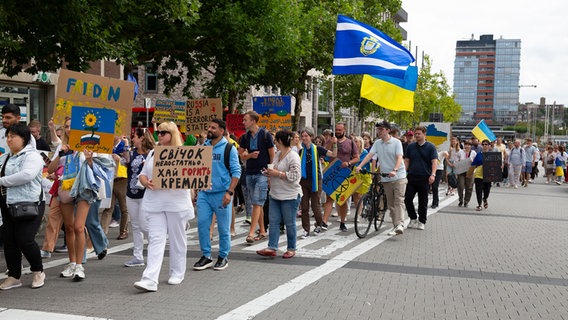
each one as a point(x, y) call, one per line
point(79, 273)
point(114, 224)
point(413, 224)
point(305, 235)
point(68, 272)
point(10, 283)
point(421, 226)
point(516, 187)
point(392, 232)
point(174, 280)
point(38, 279)
point(399, 229)
point(146, 285)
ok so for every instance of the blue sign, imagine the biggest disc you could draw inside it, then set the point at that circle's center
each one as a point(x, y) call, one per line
point(280, 105)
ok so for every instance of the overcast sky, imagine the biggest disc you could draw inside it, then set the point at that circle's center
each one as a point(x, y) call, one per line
point(435, 26)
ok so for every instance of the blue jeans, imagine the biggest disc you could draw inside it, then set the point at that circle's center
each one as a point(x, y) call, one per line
point(207, 204)
point(282, 211)
point(257, 186)
point(96, 233)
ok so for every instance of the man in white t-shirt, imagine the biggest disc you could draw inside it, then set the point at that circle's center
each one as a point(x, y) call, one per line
point(389, 152)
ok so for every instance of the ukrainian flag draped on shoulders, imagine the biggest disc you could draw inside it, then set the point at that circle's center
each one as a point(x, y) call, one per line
point(389, 81)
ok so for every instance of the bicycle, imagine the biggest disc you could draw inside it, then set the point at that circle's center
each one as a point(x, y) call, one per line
point(372, 207)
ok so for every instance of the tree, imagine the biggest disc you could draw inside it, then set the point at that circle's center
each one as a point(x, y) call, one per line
point(47, 35)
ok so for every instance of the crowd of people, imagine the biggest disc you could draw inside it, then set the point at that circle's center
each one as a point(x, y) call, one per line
point(273, 177)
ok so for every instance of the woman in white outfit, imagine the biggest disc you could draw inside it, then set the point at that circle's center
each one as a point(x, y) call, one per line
point(143, 143)
point(167, 212)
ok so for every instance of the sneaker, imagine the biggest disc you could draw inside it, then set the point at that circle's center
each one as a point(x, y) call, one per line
point(465, 204)
point(334, 214)
point(421, 226)
point(45, 254)
point(175, 280)
point(317, 230)
point(10, 283)
point(391, 232)
point(114, 224)
point(399, 229)
point(324, 226)
point(413, 224)
point(102, 255)
point(248, 220)
point(342, 227)
point(146, 285)
point(203, 263)
point(38, 279)
point(222, 264)
point(478, 208)
point(134, 263)
point(79, 274)
point(305, 235)
point(68, 272)
point(61, 249)
point(516, 187)
point(530, 181)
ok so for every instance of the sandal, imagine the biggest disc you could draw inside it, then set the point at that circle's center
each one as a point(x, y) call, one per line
point(250, 239)
point(260, 237)
point(478, 208)
point(289, 254)
point(485, 204)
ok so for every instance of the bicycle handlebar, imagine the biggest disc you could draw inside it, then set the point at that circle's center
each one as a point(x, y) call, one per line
point(363, 171)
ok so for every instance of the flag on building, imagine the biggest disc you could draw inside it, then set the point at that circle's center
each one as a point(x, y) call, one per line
point(482, 132)
point(362, 49)
point(390, 92)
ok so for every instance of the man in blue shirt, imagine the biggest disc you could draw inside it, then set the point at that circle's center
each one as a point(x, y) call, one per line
point(421, 161)
point(218, 199)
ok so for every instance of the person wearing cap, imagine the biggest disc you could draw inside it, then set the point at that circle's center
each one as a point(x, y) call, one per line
point(389, 152)
point(409, 138)
point(421, 161)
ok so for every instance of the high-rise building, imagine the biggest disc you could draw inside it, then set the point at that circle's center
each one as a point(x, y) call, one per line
point(486, 79)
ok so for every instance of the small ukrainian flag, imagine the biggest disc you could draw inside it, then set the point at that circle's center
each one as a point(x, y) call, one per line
point(482, 132)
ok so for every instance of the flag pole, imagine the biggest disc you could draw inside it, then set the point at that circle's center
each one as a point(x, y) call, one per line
point(333, 103)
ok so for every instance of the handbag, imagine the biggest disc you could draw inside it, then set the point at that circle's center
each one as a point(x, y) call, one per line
point(24, 211)
point(452, 180)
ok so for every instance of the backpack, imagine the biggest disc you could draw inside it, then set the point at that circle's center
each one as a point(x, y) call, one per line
point(228, 148)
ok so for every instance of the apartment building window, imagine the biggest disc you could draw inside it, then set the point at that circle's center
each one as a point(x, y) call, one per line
point(151, 83)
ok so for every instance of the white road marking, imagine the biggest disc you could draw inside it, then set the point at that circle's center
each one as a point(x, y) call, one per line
point(249, 310)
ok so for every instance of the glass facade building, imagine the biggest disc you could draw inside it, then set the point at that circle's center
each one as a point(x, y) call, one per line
point(486, 79)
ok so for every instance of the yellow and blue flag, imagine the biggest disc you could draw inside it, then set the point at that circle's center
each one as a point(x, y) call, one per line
point(483, 132)
point(362, 49)
point(390, 92)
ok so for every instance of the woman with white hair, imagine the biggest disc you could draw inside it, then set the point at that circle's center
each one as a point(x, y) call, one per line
point(167, 212)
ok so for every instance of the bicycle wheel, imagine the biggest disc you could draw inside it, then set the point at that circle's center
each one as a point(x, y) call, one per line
point(381, 207)
point(363, 216)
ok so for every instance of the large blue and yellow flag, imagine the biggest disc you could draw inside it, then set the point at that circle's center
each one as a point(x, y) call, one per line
point(362, 49)
point(390, 92)
point(483, 132)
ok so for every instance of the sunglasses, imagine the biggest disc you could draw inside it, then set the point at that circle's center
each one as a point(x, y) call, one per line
point(162, 133)
point(485, 144)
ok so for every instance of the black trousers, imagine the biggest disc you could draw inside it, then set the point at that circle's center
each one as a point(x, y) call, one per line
point(435, 185)
point(482, 190)
point(417, 185)
point(19, 238)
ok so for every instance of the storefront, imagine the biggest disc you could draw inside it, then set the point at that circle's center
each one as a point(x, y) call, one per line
point(32, 96)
